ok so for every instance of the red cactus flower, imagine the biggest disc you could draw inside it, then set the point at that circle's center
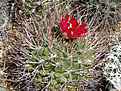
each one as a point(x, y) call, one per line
point(71, 29)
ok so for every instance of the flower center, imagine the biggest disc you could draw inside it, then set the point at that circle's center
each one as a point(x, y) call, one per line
point(65, 35)
point(71, 32)
point(70, 26)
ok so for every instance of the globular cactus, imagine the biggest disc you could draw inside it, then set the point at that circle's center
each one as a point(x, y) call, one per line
point(112, 66)
point(107, 12)
point(42, 58)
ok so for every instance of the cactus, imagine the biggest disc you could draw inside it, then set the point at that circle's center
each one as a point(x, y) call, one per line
point(106, 11)
point(41, 58)
point(111, 66)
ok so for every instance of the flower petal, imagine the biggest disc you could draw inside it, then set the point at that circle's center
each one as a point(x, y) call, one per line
point(81, 32)
point(63, 25)
point(68, 24)
point(66, 18)
point(72, 19)
point(70, 32)
point(80, 28)
point(62, 21)
point(77, 34)
point(74, 22)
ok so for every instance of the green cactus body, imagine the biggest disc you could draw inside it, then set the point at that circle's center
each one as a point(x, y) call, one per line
point(61, 63)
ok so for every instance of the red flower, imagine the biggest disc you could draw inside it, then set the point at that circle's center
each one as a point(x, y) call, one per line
point(71, 29)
